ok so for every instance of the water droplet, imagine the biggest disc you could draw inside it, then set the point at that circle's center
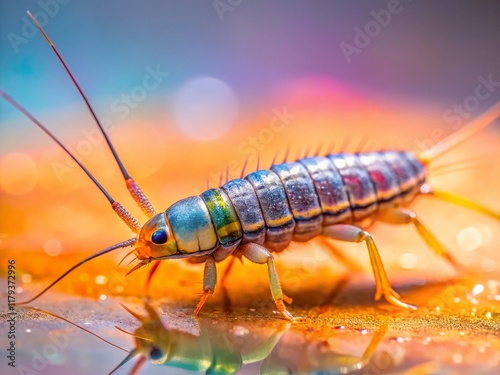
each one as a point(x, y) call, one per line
point(488, 265)
point(478, 289)
point(18, 173)
point(408, 261)
point(205, 108)
point(469, 239)
point(100, 279)
point(52, 247)
point(26, 278)
point(240, 331)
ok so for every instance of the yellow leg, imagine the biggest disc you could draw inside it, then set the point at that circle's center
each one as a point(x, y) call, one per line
point(344, 280)
point(460, 201)
point(227, 300)
point(261, 255)
point(226, 272)
point(405, 216)
point(209, 281)
point(374, 342)
point(351, 233)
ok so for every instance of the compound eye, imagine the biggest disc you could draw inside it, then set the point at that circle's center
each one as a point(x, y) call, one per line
point(155, 353)
point(159, 237)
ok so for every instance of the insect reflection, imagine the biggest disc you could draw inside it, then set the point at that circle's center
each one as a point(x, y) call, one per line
point(223, 347)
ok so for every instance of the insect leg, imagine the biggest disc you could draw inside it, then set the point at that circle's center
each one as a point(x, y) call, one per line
point(351, 233)
point(260, 255)
point(227, 301)
point(405, 216)
point(209, 281)
point(151, 273)
point(263, 352)
point(227, 271)
point(344, 280)
point(374, 342)
point(460, 201)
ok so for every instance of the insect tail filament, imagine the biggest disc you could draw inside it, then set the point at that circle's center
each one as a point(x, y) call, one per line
point(461, 135)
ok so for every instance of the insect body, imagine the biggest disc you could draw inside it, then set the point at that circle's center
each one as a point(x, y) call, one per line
point(210, 352)
point(334, 196)
point(268, 209)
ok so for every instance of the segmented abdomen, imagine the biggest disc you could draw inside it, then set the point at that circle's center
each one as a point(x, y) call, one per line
point(294, 201)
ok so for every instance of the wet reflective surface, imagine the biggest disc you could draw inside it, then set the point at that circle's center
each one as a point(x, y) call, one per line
point(455, 330)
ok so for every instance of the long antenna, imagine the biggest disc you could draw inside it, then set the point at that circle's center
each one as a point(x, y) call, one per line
point(131, 355)
point(126, 216)
point(120, 245)
point(134, 189)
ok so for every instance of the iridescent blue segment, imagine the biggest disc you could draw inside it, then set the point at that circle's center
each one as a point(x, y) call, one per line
point(330, 190)
point(383, 177)
point(407, 179)
point(191, 225)
point(362, 193)
point(247, 207)
point(275, 209)
point(302, 198)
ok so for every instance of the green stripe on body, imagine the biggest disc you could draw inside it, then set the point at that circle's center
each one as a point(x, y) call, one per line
point(226, 222)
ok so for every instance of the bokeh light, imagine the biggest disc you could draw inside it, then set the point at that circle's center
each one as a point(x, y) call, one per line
point(205, 108)
point(18, 173)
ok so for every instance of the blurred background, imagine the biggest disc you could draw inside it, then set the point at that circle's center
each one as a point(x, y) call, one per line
point(190, 89)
